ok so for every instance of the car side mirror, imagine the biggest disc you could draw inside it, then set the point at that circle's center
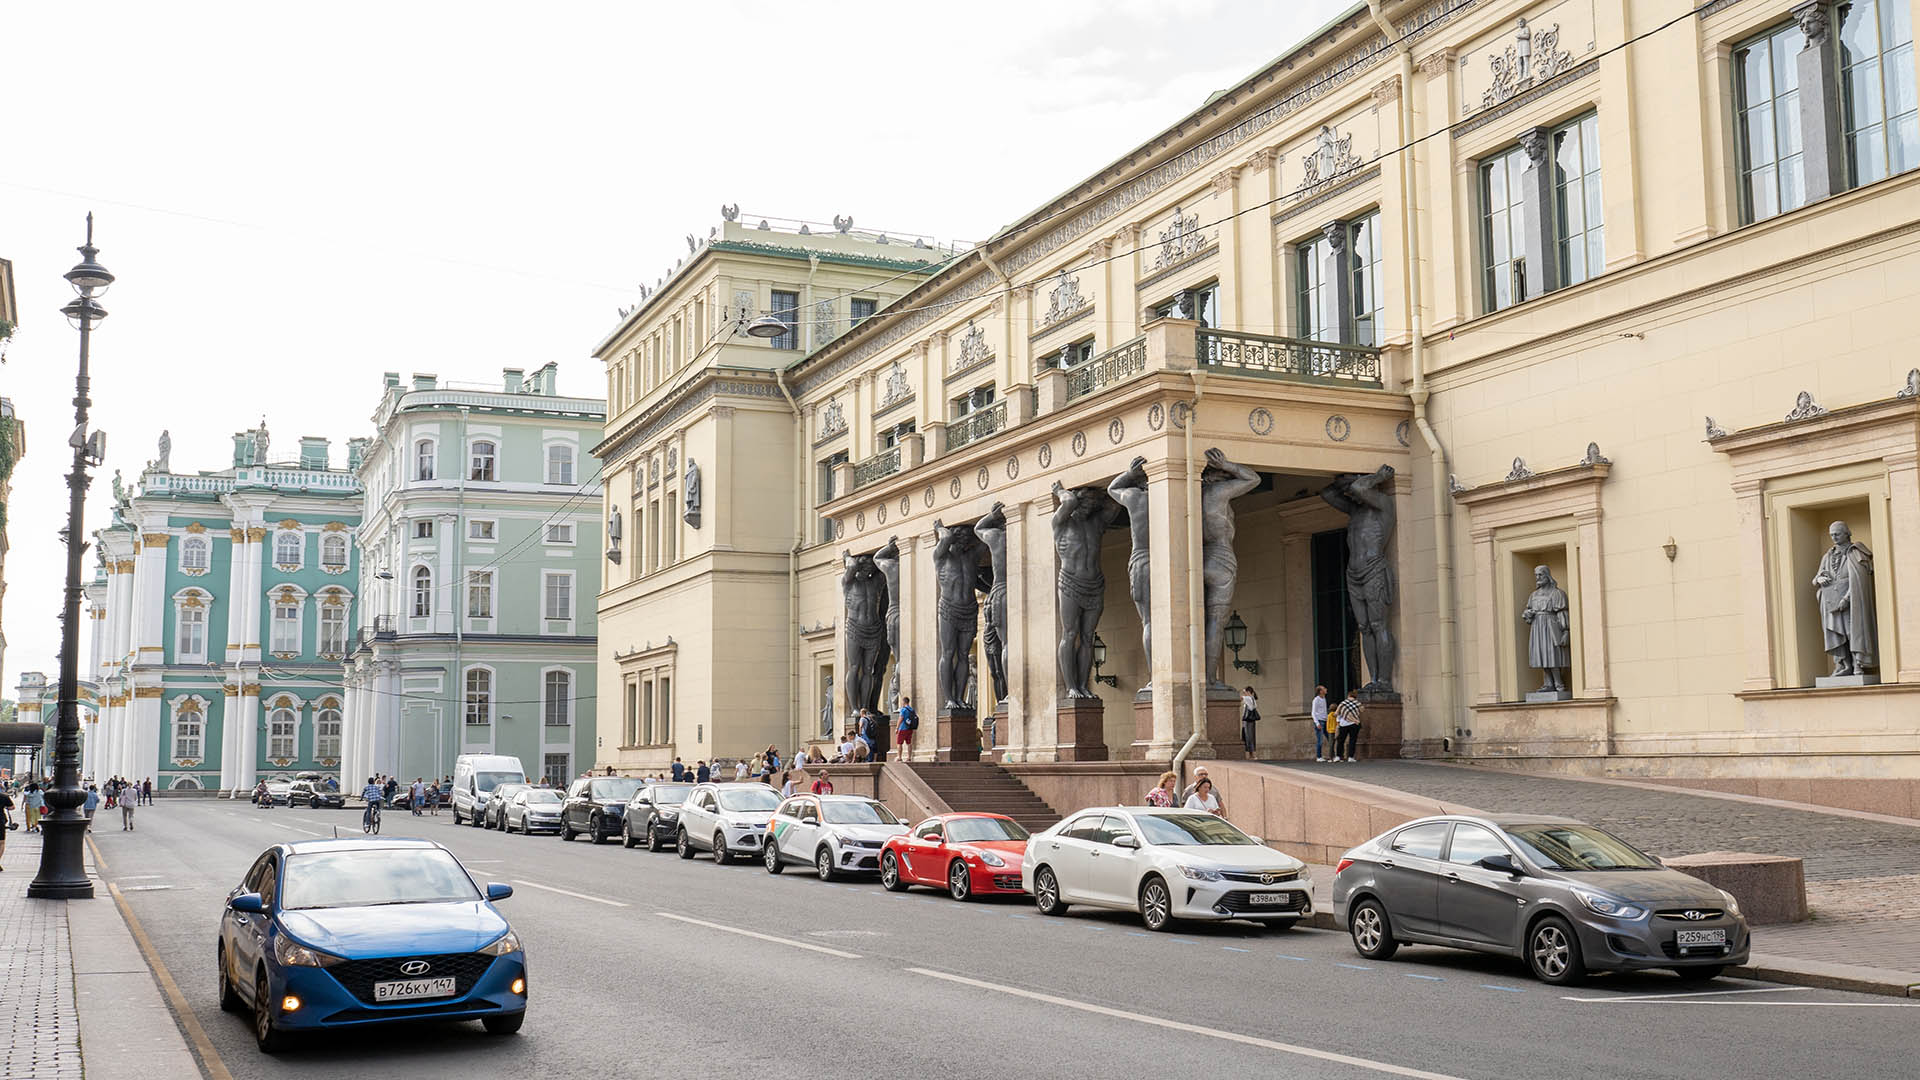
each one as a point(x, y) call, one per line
point(248, 903)
point(1501, 864)
point(498, 890)
point(643, 802)
point(1127, 841)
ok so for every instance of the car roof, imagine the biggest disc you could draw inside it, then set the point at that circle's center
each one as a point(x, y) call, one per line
point(360, 843)
point(1502, 821)
point(970, 814)
point(840, 798)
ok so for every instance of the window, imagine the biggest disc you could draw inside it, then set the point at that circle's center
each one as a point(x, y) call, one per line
point(281, 725)
point(188, 727)
point(480, 594)
point(423, 459)
point(288, 548)
point(286, 628)
point(482, 461)
point(333, 551)
point(863, 309)
point(1363, 257)
point(326, 734)
point(1577, 211)
point(653, 537)
point(827, 489)
point(560, 534)
point(670, 527)
point(422, 592)
point(1205, 309)
point(559, 464)
point(973, 401)
point(190, 631)
point(1072, 356)
point(559, 698)
point(1315, 308)
point(479, 530)
point(1471, 843)
point(786, 308)
point(423, 530)
point(333, 629)
point(896, 434)
point(1877, 89)
point(1503, 269)
point(646, 713)
point(1422, 841)
point(1767, 116)
point(479, 697)
point(559, 596)
point(556, 768)
point(633, 714)
point(193, 554)
point(666, 708)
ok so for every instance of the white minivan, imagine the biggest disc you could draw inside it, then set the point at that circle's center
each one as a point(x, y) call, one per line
point(474, 778)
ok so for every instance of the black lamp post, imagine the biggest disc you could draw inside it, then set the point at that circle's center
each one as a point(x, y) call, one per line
point(1237, 640)
point(63, 873)
point(1100, 661)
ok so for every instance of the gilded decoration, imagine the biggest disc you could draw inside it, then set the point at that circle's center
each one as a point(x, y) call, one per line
point(196, 528)
point(257, 535)
point(149, 691)
point(155, 539)
point(237, 536)
point(289, 523)
point(334, 526)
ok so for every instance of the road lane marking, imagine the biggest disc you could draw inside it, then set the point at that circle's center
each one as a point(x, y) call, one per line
point(1284, 956)
point(564, 892)
point(209, 1057)
point(1810, 1004)
point(1508, 989)
point(1192, 1029)
point(1433, 978)
point(808, 945)
point(1229, 948)
point(1355, 967)
point(1693, 994)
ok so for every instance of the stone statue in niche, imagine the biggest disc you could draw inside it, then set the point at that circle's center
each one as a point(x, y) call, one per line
point(692, 491)
point(1079, 522)
point(613, 535)
point(956, 562)
point(1849, 632)
point(865, 592)
point(1367, 500)
point(992, 531)
point(1221, 482)
point(1549, 636)
point(1129, 489)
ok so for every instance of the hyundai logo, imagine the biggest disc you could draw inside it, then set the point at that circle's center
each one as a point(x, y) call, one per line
point(415, 967)
point(1693, 916)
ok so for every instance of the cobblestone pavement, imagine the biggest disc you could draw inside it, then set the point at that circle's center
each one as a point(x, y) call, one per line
point(39, 1034)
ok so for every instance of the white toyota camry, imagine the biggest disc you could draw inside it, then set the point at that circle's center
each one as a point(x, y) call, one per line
point(1165, 865)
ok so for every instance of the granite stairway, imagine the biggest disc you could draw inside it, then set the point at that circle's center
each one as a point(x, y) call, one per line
point(987, 788)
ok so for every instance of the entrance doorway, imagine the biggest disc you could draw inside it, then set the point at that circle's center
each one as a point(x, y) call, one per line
point(1336, 648)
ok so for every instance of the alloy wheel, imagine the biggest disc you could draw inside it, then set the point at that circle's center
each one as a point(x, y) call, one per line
point(721, 856)
point(959, 881)
point(1367, 929)
point(770, 855)
point(1046, 892)
point(1551, 952)
point(890, 873)
point(270, 1039)
point(1156, 907)
point(823, 863)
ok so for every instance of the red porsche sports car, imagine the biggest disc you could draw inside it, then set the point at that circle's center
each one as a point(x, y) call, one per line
point(966, 854)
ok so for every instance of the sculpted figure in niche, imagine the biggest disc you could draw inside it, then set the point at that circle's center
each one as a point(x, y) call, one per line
point(1221, 482)
point(992, 530)
point(1845, 587)
point(866, 641)
point(1549, 641)
point(692, 485)
point(1129, 489)
point(1367, 500)
point(956, 562)
point(1079, 522)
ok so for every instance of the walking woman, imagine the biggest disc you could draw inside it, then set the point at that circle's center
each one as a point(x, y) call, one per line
point(1203, 798)
point(1249, 716)
point(35, 803)
point(1163, 795)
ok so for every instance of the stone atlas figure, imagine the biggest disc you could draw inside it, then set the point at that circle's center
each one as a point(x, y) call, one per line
point(887, 559)
point(1221, 482)
point(992, 531)
point(1129, 489)
point(1367, 500)
point(956, 563)
point(865, 592)
point(1079, 522)
point(692, 490)
point(1845, 587)
point(1549, 640)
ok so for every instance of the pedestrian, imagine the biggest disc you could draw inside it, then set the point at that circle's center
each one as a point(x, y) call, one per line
point(909, 723)
point(1203, 798)
point(786, 784)
point(127, 801)
point(1162, 795)
point(846, 747)
point(1249, 716)
point(1347, 733)
point(876, 733)
point(1322, 734)
point(36, 804)
point(740, 769)
point(824, 785)
point(146, 791)
point(702, 774)
point(6, 819)
point(679, 771)
point(1199, 774)
point(92, 804)
point(800, 759)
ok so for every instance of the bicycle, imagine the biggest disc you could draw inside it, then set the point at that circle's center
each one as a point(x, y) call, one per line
point(370, 821)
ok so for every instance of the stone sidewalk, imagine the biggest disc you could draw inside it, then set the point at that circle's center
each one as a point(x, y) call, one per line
point(77, 998)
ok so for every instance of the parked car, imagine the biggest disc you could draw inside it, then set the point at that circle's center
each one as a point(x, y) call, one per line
point(474, 778)
point(835, 834)
point(493, 811)
point(966, 854)
point(278, 789)
point(597, 806)
point(1564, 896)
point(338, 934)
point(311, 793)
point(1164, 864)
point(531, 810)
point(726, 819)
point(653, 816)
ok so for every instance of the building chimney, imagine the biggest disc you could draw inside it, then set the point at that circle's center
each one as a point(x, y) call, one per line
point(425, 382)
point(549, 379)
point(313, 452)
point(513, 377)
point(392, 379)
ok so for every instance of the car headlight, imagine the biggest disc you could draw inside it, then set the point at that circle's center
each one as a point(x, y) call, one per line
point(991, 858)
point(508, 942)
point(1733, 904)
point(1613, 909)
point(291, 953)
point(1199, 874)
point(841, 838)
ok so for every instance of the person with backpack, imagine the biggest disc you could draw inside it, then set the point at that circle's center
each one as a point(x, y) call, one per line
point(909, 723)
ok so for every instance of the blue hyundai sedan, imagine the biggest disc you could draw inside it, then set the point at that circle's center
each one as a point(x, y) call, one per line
point(338, 934)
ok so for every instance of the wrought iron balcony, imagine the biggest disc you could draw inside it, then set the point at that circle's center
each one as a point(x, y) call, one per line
point(876, 468)
point(976, 426)
point(1288, 359)
point(1122, 363)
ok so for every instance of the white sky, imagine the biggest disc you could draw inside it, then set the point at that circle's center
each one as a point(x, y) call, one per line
point(298, 198)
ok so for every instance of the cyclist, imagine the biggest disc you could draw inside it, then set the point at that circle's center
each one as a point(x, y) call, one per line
point(374, 795)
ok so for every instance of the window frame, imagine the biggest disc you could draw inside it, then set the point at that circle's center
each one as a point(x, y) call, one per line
point(281, 539)
point(1514, 210)
point(548, 533)
point(564, 701)
point(422, 583)
point(1584, 132)
point(547, 580)
point(285, 635)
point(481, 696)
point(1899, 60)
point(289, 715)
point(423, 529)
point(321, 722)
point(482, 467)
point(189, 722)
point(483, 581)
point(201, 544)
point(568, 464)
point(1778, 104)
point(491, 530)
point(426, 458)
point(337, 615)
point(190, 619)
point(790, 337)
point(346, 552)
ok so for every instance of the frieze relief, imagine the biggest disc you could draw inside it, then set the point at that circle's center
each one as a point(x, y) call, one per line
point(1064, 300)
point(971, 351)
point(1182, 239)
point(1524, 54)
point(897, 388)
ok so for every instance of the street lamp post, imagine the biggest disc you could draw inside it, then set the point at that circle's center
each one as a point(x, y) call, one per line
point(63, 873)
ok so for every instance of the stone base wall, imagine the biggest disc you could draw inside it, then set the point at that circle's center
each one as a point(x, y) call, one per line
point(1817, 780)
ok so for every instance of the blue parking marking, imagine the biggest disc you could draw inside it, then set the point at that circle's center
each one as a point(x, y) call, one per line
point(1136, 933)
point(1229, 948)
point(1354, 967)
point(1430, 978)
point(1284, 956)
point(1019, 916)
point(1508, 989)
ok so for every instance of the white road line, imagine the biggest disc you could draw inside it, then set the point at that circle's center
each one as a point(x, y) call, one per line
point(1812, 1004)
point(807, 945)
point(1193, 1029)
point(1694, 994)
point(564, 892)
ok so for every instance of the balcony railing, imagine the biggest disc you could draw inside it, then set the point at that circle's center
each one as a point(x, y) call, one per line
point(381, 630)
point(976, 426)
point(160, 483)
point(1288, 359)
point(878, 467)
point(1122, 363)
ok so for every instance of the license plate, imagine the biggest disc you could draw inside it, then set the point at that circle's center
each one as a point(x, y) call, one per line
point(1686, 938)
point(413, 989)
point(1270, 898)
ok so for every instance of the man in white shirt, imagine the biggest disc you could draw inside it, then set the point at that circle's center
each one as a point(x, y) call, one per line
point(1320, 732)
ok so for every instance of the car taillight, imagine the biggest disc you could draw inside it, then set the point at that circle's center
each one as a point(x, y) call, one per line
point(1344, 863)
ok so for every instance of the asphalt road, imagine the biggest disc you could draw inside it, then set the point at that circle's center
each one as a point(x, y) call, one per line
point(645, 965)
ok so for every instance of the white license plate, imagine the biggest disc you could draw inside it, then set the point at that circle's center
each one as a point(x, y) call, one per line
point(1274, 898)
point(1686, 938)
point(413, 989)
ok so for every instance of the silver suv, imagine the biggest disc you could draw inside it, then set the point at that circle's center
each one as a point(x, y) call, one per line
point(726, 819)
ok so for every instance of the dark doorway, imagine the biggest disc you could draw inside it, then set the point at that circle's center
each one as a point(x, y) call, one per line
point(1336, 653)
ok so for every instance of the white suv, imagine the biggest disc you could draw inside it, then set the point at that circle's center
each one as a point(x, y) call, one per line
point(726, 819)
point(836, 834)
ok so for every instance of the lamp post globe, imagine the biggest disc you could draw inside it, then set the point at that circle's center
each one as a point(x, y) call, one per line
point(766, 326)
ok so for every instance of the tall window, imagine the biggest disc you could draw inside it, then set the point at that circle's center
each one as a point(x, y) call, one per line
point(973, 401)
point(559, 703)
point(1313, 293)
point(189, 725)
point(896, 434)
point(326, 734)
point(1767, 106)
point(423, 459)
point(281, 725)
point(288, 547)
point(786, 308)
point(190, 633)
point(559, 596)
point(633, 713)
point(286, 628)
point(1503, 272)
point(1577, 208)
point(1876, 77)
point(193, 553)
point(479, 697)
point(333, 551)
point(1363, 257)
point(422, 592)
point(646, 714)
point(557, 768)
point(827, 490)
point(666, 709)
point(333, 629)
point(480, 594)
point(559, 464)
point(482, 465)
point(862, 309)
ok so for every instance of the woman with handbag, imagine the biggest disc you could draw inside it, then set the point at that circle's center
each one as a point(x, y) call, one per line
point(1249, 716)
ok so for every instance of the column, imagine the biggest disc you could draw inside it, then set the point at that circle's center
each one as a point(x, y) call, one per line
point(1823, 148)
point(1593, 608)
point(446, 592)
point(247, 766)
point(236, 588)
point(1033, 633)
point(1750, 515)
point(906, 659)
point(1536, 207)
point(143, 755)
point(1226, 185)
point(1486, 629)
point(1903, 512)
point(1170, 719)
point(251, 599)
point(1626, 215)
point(1448, 288)
point(229, 736)
point(150, 581)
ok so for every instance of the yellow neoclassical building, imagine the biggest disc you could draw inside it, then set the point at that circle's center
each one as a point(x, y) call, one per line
point(1611, 287)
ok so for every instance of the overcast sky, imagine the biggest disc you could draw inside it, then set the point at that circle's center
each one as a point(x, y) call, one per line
point(296, 198)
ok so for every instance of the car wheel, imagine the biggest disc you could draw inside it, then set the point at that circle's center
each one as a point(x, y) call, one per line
point(770, 856)
point(594, 827)
point(823, 863)
point(456, 815)
point(566, 833)
point(682, 845)
point(314, 804)
point(890, 874)
point(1371, 931)
point(1156, 904)
point(1046, 892)
point(653, 838)
point(270, 1039)
point(1553, 952)
point(1700, 974)
point(229, 996)
point(721, 856)
point(959, 881)
point(626, 835)
point(505, 1023)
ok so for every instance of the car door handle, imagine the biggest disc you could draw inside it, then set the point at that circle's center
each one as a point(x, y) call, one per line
point(1454, 878)
point(1093, 854)
point(1387, 863)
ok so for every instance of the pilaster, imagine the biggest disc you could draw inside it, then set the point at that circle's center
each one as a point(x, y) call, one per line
point(1170, 675)
point(1822, 136)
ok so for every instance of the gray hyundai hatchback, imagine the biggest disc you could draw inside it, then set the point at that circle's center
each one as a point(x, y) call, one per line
point(1564, 896)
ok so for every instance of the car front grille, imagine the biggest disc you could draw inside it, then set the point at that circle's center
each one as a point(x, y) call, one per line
point(358, 976)
point(1704, 914)
point(1007, 881)
point(1256, 877)
point(1239, 902)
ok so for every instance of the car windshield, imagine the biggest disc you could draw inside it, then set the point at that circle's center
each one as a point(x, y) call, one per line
point(1186, 829)
point(487, 781)
point(364, 878)
point(1578, 847)
point(542, 795)
point(614, 788)
point(975, 830)
point(670, 794)
point(748, 797)
point(858, 813)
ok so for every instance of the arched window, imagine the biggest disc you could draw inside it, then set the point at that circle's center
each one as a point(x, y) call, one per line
point(193, 554)
point(282, 724)
point(423, 459)
point(189, 727)
point(422, 592)
point(288, 549)
point(190, 631)
point(286, 626)
point(479, 697)
point(559, 464)
point(326, 734)
point(482, 461)
point(333, 551)
point(559, 698)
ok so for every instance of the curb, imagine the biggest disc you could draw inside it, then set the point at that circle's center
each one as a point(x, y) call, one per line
point(1794, 971)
